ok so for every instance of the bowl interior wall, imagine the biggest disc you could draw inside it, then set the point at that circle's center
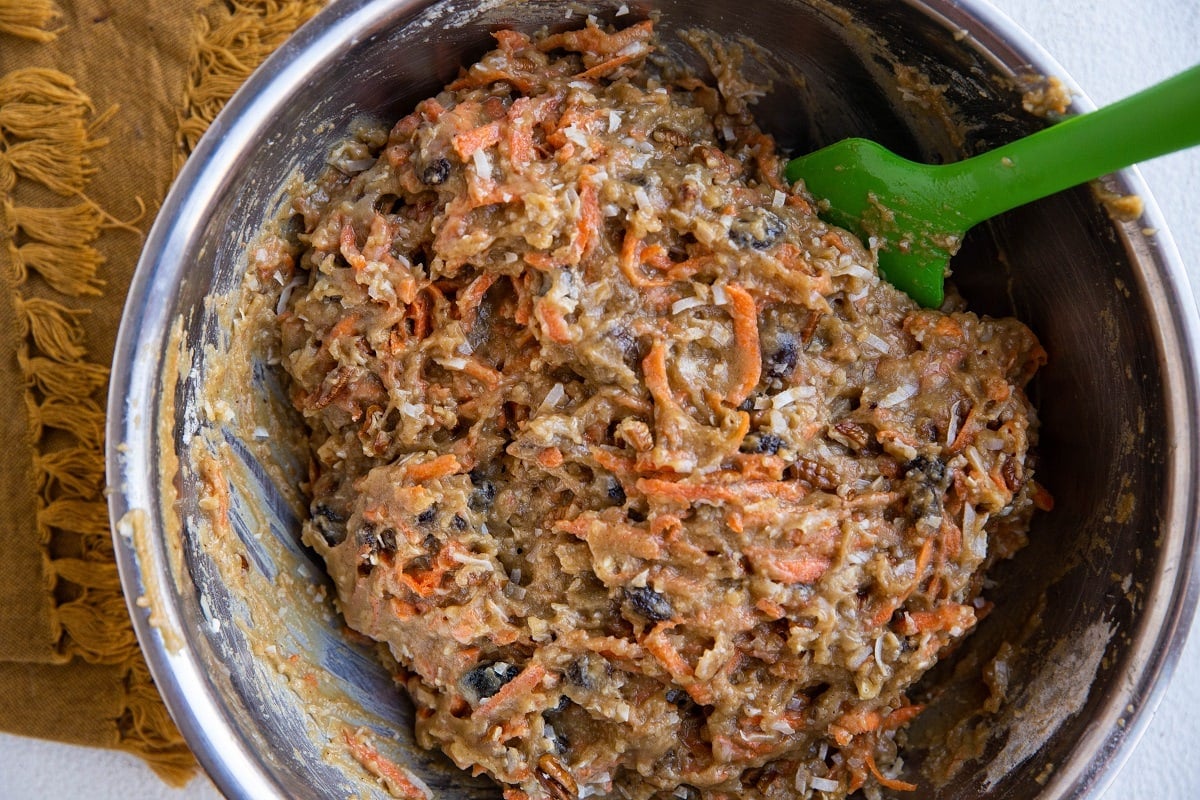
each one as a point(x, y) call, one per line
point(1059, 265)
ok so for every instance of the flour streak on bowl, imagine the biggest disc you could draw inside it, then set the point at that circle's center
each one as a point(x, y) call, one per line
point(242, 637)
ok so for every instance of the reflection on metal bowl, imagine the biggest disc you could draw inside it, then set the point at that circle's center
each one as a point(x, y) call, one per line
point(241, 636)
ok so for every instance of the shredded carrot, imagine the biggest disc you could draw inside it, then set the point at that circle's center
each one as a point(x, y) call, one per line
point(835, 241)
point(523, 313)
point(770, 608)
point(518, 687)
point(901, 717)
point(471, 297)
point(767, 161)
point(592, 39)
point(1042, 499)
point(887, 783)
point(510, 40)
point(745, 333)
point(966, 432)
point(951, 538)
point(465, 144)
point(740, 492)
point(665, 653)
point(654, 368)
point(398, 780)
point(608, 537)
point(587, 228)
point(796, 201)
point(440, 467)
point(343, 327)
point(553, 323)
point(760, 466)
point(616, 464)
point(550, 458)
point(666, 525)
point(924, 556)
point(787, 566)
point(605, 67)
point(479, 75)
point(683, 270)
point(657, 256)
point(943, 618)
point(426, 582)
point(630, 263)
point(481, 372)
point(948, 328)
point(520, 134)
point(402, 610)
point(861, 720)
point(430, 109)
point(349, 247)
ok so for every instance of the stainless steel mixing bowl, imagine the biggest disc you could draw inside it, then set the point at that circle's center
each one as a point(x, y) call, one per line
point(1097, 604)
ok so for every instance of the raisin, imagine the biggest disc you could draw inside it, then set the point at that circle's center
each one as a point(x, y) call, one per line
point(931, 470)
point(628, 345)
point(484, 494)
point(436, 172)
point(616, 492)
point(1014, 476)
point(330, 524)
point(678, 697)
point(783, 358)
point(559, 740)
point(459, 522)
point(376, 540)
point(649, 603)
point(756, 228)
point(487, 679)
point(579, 673)
point(767, 443)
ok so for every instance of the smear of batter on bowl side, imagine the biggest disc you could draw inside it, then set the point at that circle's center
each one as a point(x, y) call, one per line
point(651, 485)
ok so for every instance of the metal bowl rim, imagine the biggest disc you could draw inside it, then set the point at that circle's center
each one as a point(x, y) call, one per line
point(224, 752)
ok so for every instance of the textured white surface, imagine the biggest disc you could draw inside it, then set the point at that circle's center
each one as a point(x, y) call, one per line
point(1112, 48)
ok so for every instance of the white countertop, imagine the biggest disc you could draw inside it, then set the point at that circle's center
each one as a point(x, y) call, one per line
point(1112, 48)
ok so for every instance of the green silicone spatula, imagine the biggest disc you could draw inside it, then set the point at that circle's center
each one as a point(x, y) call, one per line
point(920, 212)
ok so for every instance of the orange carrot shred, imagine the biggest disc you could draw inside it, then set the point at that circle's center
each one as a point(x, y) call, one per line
point(605, 67)
point(887, 783)
point(466, 143)
point(525, 682)
point(550, 458)
point(397, 779)
point(553, 323)
point(440, 467)
point(745, 333)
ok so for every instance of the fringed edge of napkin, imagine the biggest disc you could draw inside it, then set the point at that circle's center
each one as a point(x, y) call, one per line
point(232, 39)
point(50, 127)
point(29, 19)
point(53, 127)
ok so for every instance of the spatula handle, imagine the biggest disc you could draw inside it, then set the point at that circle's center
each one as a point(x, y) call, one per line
point(1159, 120)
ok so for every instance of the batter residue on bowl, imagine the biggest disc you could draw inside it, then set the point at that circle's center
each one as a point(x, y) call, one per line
point(652, 486)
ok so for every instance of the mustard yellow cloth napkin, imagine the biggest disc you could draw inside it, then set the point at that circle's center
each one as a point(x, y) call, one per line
point(100, 101)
